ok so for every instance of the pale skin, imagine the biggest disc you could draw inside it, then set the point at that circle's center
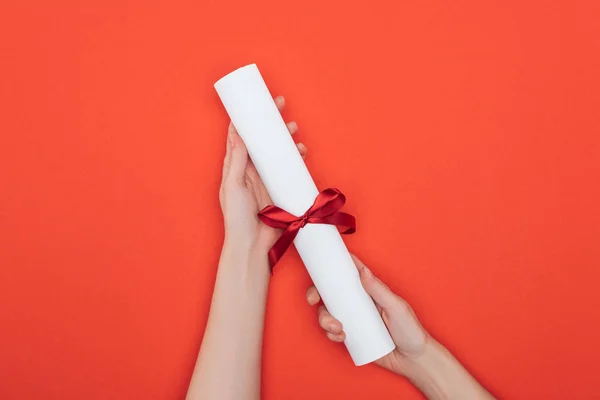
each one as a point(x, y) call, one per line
point(229, 363)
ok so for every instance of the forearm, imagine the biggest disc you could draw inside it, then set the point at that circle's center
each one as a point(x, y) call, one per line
point(441, 377)
point(229, 362)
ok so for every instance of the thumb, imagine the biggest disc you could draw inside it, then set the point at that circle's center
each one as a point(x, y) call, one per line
point(239, 158)
point(375, 288)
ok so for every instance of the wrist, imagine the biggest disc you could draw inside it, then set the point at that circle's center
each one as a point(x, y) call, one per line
point(440, 376)
point(243, 254)
point(428, 370)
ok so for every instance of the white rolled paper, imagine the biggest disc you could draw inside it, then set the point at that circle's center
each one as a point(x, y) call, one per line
point(281, 168)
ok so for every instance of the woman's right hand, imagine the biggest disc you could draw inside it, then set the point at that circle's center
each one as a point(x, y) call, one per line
point(404, 327)
point(417, 356)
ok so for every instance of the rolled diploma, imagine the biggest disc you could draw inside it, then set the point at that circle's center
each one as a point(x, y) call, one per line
point(283, 172)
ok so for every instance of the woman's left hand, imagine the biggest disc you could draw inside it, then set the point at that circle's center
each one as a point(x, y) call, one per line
point(228, 366)
point(243, 195)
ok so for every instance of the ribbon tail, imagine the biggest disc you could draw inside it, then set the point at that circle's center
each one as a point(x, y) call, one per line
point(282, 244)
point(345, 222)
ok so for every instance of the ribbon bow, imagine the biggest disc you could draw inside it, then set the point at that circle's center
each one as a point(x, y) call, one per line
point(323, 211)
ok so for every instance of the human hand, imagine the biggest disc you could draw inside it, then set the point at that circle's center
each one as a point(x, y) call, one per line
point(404, 327)
point(243, 195)
point(238, 305)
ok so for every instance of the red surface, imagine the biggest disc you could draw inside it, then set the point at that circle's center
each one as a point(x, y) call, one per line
point(476, 123)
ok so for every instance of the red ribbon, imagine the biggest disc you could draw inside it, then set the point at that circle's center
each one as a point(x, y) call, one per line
point(323, 211)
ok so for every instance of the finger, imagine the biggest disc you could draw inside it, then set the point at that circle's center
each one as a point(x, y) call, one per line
point(327, 322)
point(302, 149)
point(239, 158)
point(280, 103)
point(357, 263)
point(312, 296)
point(231, 129)
point(227, 160)
point(292, 127)
point(336, 337)
point(375, 288)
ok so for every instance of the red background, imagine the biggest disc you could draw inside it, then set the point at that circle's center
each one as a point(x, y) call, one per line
point(465, 134)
